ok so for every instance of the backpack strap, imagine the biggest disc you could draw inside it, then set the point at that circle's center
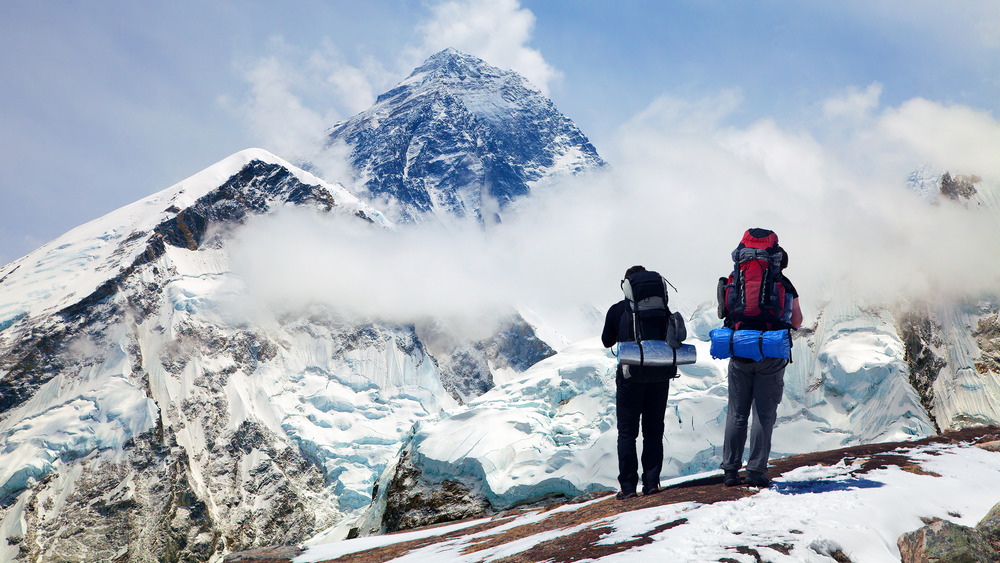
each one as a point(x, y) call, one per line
point(634, 309)
point(791, 343)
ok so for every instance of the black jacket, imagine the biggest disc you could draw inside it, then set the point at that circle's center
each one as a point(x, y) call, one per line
point(618, 328)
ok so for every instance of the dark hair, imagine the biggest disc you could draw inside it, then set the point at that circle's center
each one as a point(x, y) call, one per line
point(633, 270)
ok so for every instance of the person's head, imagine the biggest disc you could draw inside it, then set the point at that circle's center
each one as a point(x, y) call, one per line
point(633, 270)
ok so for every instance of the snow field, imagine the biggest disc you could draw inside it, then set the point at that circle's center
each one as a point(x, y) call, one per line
point(809, 514)
point(817, 510)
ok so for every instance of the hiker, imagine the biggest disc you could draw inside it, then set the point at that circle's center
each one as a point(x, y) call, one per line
point(756, 297)
point(641, 395)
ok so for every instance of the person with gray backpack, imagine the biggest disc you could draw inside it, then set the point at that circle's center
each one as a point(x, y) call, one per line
point(643, 320)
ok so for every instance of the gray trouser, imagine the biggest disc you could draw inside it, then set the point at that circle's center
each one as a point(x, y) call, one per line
point(759, 384)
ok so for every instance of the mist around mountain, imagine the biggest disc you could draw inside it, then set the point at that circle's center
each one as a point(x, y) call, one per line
point(257, 356)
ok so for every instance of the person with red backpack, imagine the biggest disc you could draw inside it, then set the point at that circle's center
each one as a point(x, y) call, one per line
point(755, 297)
point(641, 390)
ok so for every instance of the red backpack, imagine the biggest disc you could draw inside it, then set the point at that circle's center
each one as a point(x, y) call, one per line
point(753, 296)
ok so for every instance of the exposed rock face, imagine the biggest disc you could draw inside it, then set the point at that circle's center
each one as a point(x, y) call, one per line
point(958, 187)
point(467, 368)
point(413, 503)
point(933, 186)
point(942, 541)
point(460, 138)
point(918, 334)
point(142, 509)
point(989, 528)
point(953, 352)
point(987, 335)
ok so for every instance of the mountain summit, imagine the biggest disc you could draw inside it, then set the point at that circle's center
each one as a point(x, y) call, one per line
point(460, 137)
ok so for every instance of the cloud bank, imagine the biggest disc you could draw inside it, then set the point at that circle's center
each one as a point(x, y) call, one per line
point(687, 178)
point(497, 31)
point(683, 186)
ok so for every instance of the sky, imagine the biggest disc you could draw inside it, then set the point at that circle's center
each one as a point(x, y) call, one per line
point(693, 102)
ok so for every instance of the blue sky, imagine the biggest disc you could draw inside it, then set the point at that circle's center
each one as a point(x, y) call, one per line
point(103, 103)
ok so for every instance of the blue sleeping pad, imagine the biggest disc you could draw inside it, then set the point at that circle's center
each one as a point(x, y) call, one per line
point(752, 344)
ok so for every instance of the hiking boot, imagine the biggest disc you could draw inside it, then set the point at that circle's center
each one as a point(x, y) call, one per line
point(732, 479)
point(651, 491)
point(757, 479)
point(622, 495)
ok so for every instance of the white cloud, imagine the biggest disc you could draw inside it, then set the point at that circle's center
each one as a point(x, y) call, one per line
point(296, 95)
point(955, 137)
point(497, 31)
point(275, 113)
point(354, 86)
point(297, 257)
point(853, 104)
point(683, 188)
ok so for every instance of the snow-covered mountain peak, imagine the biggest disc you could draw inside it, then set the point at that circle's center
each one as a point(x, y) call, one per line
point(69, 268)
point(460, 73)
point(460, 138)
point(924, 182)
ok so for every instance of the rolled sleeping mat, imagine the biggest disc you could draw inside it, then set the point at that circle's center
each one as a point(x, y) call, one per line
point(751, 344)
point(656, 353)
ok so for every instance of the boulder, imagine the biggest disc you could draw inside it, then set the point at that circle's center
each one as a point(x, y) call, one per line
point(940, 541)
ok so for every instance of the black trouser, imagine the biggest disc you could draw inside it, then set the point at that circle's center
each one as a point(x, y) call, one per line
point(646, 402)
